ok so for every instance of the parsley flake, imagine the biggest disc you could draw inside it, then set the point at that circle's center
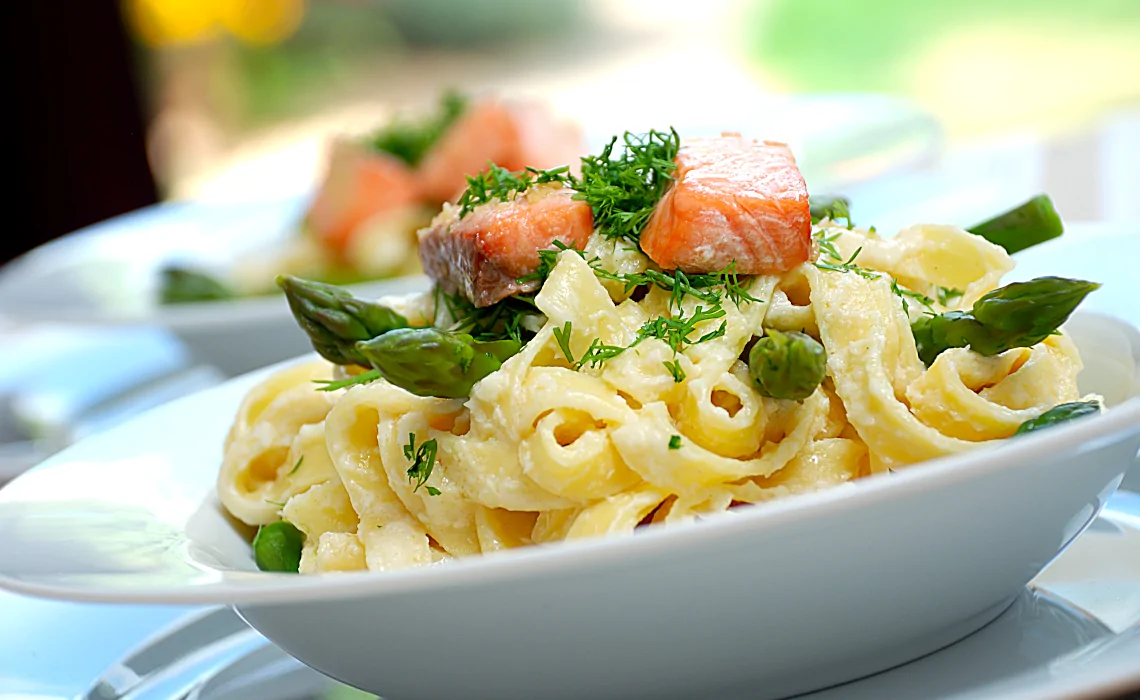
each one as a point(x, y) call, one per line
point(675, 442)
point(423, 461)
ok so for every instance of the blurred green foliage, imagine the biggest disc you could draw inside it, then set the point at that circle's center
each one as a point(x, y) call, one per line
point(862, 45)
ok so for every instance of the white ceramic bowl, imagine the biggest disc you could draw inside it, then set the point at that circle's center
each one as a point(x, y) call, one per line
point(779, 599)
point(108, 274)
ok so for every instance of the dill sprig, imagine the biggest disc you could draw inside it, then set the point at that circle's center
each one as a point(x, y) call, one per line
point(849, 266)
point(677, 283)
point(597, 353)
point(362, 378)
point(904, 293)
point(623, 190)
point(675, 330)
point(947, 295)
point(411, 140)
point(826, 243)
point(830, 207)
point(422, 458)
point(496, 183)
point(499, 321)
point(300, 461)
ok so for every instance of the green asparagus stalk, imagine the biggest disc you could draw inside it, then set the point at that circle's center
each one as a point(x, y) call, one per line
point(277, 547)
point(1024, 226)
point(431, 362)
point(182, 285)
point(1018, 315)
point(829, 207)
point(336, 321)
point(1060, 414)
point(787, 365)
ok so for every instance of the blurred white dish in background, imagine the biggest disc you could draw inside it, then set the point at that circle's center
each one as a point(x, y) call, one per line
point(109, 274)
point(796, 595)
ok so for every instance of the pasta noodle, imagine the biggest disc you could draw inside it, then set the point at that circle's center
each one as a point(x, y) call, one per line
point(548, 448)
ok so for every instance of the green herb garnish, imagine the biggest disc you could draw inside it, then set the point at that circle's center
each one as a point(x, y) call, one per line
point(1060, 414)
point(411, 140)
point(675, 442)
point(623, 190)
point(499, 184)
point(830, 207)
point(422, 458)
point(296, 466)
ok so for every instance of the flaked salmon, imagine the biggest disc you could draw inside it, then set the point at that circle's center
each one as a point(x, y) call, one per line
point(483, 254)
point(359, 184)
point(734, 200)
point(510, 135)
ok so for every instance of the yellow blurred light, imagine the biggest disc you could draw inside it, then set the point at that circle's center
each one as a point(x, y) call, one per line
point(171, 22)
point(260, 22)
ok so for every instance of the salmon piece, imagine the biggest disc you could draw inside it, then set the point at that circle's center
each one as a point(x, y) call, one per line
point(359, 184)
point(510, 135)
point(733, 200)
point(482, 255)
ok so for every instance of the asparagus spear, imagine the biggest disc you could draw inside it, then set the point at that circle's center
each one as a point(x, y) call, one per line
point(431, 362)
point(277, 547)
point(829, 207)
point(787, 365)
point(336, 321)
point(1059, 414)
point(1024, 226)
point(182, 285)
point(1018, 315)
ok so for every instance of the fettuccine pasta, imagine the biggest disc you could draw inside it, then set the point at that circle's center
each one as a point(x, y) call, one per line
point(549, 448)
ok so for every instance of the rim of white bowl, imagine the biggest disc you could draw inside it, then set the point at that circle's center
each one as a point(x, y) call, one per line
point(274, 588)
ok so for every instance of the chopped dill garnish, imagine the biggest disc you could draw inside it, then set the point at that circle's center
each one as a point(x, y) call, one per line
point(595, 355)
point(676, 370)
point(826, 243)
point(903, 293)
point(362, 378)
point(675, 442)
point(296, 466)
point(830, 207)
point(675, 331)
point(432, 491)
point(498, 183)
point(849, 266)
point(947, 295)
point(624, 190)
point(678, 283)
point(562, 337)
point(423, 461)
point(279, 504)
point(499, 321)
point(410, 140)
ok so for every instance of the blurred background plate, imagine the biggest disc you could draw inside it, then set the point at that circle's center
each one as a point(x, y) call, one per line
point(108, 274)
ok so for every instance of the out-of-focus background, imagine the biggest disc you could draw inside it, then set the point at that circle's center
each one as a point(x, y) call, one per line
point(122, 103)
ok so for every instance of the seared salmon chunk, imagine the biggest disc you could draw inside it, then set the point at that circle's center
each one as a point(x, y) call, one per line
point(483, 254)
point(734, 201)
point(358, 184)
point(510, 135)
